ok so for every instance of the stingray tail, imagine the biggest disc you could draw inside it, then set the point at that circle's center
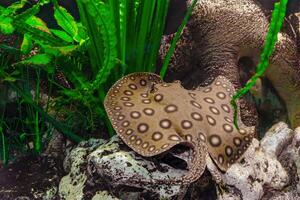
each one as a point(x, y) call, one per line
point(196, 166)
point(196, 169)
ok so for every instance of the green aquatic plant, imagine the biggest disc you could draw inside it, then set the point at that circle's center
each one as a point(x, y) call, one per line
point(271, 39)
point(3, 144)
point(52, 44)
point(124, 37)
point(112, 38)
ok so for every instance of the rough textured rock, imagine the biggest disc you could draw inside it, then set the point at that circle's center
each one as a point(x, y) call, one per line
point(72, 185)
point(269, 170)
point(258, 170)
point(276, 138)
point(103, 195)
point(119, 167)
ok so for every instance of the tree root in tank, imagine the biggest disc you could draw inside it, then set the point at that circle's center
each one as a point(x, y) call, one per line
point(219, 34)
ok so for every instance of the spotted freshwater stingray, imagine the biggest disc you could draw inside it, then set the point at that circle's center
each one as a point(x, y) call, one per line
point(152, 116)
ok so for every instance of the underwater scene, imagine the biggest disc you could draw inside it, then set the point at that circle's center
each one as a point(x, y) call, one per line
point(149, 99)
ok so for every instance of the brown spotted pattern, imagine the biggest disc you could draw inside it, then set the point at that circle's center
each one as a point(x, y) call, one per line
point(152, 116)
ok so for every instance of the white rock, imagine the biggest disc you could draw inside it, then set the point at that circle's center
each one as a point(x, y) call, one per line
point(103, 195)
point(71, 186)
point(277, 138)
point(120, 167)
point(259, 175)
point(259, 168)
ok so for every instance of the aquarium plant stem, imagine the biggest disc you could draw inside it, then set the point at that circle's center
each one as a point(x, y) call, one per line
point(271, 39)
point(3, 145)
point(37, 142)
point(175, 40)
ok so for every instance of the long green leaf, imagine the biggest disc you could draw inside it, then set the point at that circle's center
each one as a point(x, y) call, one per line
point(3, 146)
point(271, 39)
point(66, 21)
point(144, 21)
point(123, 30)
point(37, 34)
point(132, 11)
point(95, 39)
point(37, 23)
point(156, 34)
point(108, 32)
point(102, 15)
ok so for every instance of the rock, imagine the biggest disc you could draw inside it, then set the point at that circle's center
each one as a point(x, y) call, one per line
point(291, 161)
point(103, 195)
point(71, 186)
point(97, 164)
point(50, 193)
point(119, 167)
point(276, 138)
point(257, 170)
point(269, 170)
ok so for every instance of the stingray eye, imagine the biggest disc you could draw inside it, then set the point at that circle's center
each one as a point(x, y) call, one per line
point(152, 88)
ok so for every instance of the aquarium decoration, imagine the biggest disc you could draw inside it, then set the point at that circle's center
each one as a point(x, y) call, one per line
point(175, 40)
point(271, 39)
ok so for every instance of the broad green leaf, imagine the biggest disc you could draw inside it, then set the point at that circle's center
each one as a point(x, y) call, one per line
point(62, 35)
point(82, 33)
point(23, 16)
point(38, 35)
point(13, 8)
point(49, 49)
point(66, 22)
point(43, 60)
point(67, 50)
point(26, 45)
point(6, 26)
point(40, 59)
point(37, 23)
